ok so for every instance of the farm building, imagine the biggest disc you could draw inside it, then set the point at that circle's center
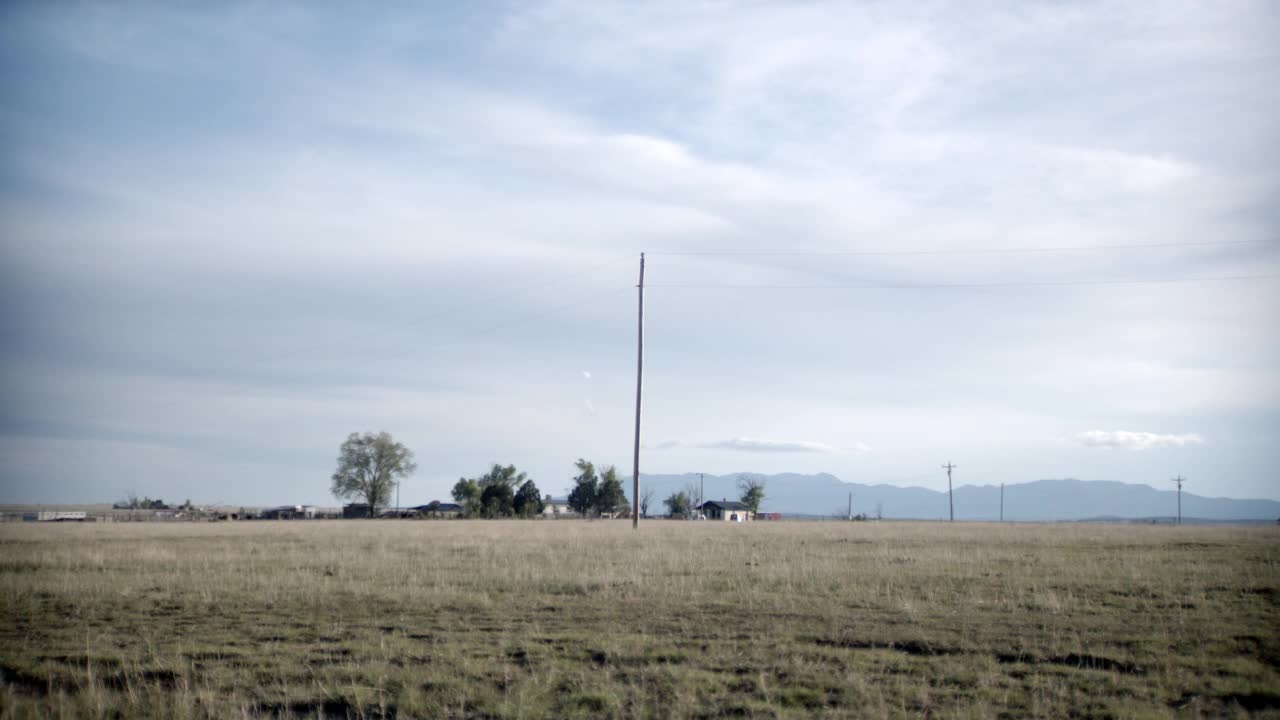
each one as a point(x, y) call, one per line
point(289, 512)
point(355, 511)
point(727, 510)
point(56, 516)
point(555, 507)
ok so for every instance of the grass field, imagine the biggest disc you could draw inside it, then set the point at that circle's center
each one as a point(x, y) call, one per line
point(589, 619)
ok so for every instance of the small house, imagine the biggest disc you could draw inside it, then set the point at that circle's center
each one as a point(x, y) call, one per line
point(726, 510)
point(556, 507)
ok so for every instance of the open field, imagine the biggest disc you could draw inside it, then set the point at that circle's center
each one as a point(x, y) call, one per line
point(588, 619)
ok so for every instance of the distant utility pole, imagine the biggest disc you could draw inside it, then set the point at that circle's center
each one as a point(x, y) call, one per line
point(950, 502)
point(397, 498)
point(635, 465)
point(700, 489)
point(1179, 480)
point(1001, 502)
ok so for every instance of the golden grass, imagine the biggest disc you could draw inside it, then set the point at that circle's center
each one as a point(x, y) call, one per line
point(529, 619)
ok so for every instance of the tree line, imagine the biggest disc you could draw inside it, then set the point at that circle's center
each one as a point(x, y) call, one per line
point(371, 465)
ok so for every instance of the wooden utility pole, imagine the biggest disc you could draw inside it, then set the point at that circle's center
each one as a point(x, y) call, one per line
point(850, 504)
point(635, 464)
point(1001, 502)
point(1179, 480)
point(700, 493)
point(951, 506)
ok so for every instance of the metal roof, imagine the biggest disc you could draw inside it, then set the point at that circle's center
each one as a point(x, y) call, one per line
point(726, 504)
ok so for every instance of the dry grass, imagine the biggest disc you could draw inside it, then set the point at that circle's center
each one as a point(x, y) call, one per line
point(565, 619)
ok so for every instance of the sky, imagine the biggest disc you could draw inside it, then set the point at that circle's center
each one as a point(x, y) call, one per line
point(1035, 240)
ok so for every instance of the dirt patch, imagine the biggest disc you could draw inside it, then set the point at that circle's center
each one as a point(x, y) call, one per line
point(26, 682)
point(1076, 660)
point(329, 709)
point(1253, 702)
point(910, 647)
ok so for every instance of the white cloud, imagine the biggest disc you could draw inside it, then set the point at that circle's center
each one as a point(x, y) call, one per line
point(1136, 440)
point(756, 445)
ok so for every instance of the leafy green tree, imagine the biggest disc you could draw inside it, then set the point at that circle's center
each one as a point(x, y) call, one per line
point(582, 499)
point(752, 489)
point(491, 494)
point(497, 500)
point(369, 466)
point(610, 497)
point(467, 494)
point(500, 475)
point(528, 501)
point(678, 504)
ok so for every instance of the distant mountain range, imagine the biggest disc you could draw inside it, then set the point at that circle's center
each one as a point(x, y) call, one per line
point(1042, 500)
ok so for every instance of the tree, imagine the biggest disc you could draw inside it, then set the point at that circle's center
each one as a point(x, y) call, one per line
point(646, 499)
point(528, 502)
point(502, 475)
point(582, 499)
point(491, 494)
point(369, 465)
point(678, 504)
point(610, 497)
point(467, 494)
point(497, 500)
point(752, 488)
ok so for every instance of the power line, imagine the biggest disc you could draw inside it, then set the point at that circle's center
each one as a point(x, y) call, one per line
point(968, 251)
point(932, 286)
point(951, 507)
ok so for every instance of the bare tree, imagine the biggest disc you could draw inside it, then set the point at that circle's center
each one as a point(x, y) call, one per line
point(646, 498)
point(692, 492)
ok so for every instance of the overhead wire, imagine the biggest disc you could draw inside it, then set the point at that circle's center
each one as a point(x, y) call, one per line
point(967, 251)
point(930, 286)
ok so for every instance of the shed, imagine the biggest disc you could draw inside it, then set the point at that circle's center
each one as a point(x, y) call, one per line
point(727, 510)
point(554, 506)
point(355, 511)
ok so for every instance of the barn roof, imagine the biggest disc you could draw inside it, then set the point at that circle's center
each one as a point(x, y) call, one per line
point(726, 505)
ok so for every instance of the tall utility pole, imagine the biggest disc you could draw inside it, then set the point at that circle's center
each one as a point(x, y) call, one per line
point(635, 464)
point(950, 503)
point(1179, 480)
point(700, 490)
point(850, 504)
point(1001, 502)
point(397, 498)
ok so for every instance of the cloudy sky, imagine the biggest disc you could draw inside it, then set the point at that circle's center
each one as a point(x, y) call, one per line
point(1034, 239)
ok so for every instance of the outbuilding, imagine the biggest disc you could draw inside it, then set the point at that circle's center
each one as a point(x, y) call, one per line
point(555, 507)
point(726, 510)
point(355, 511)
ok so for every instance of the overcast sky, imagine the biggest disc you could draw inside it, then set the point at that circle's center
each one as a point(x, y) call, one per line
point(233, 234)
